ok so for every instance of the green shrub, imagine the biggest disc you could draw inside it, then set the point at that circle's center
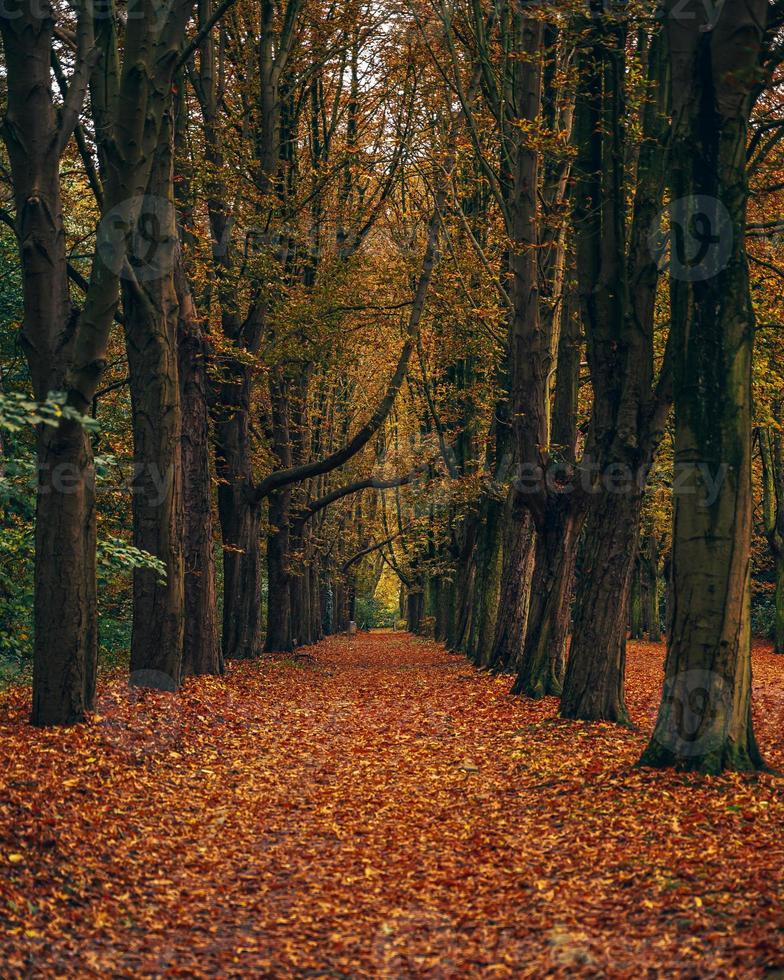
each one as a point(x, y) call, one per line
point(372, 614)
point(763, 616)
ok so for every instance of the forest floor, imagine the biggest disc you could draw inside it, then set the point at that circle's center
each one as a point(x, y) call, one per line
point(376, 808)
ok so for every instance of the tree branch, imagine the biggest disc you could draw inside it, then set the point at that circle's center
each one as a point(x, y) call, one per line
point(202, 34)
point(365, 483)
point(373, 547)
point(87, 56)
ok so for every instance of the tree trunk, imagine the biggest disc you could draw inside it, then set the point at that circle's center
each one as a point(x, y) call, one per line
point(239, 517)
point(444, 608)
point(299, 598)
point(66, 635)
point(414, 605)
point(431, 601)
point(778, 603)
point(316, 617)
point(65, 614)
point(654, 616)
point(772, 458)
point(151, 318)
point(201, 649)
point(651, 613)
point(517, 571)
point(302, 628)
point(704, 720)
point(644, 601)
point(487, 584)
point(279, 627)
point(327, 607)
point(541, 670)
point(618, 287)
point(594, 685)
point(464, 589)
point(520, 542)
point(637, 603)
point(340, 616)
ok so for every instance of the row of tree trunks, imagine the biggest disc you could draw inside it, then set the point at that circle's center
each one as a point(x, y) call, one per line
point(306, 609)
point(644, 614)
point(290, 439)
point(344, 592)
point(175, 622)
point(239, 510)
point(240, 518)
point(414, 610)
point(279, 577)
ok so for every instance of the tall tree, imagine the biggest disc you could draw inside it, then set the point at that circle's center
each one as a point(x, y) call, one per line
point(704, 720)
point(151, 321)
point(618, 278)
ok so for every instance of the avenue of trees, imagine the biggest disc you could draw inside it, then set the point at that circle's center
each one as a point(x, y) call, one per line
point(483, 296)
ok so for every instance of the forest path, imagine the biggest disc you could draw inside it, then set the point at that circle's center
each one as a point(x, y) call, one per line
point(377, 808)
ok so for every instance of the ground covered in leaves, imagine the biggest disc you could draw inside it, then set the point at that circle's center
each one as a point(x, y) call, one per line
point(376, 808)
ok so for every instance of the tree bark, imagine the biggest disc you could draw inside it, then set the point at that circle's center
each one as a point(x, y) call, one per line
point(541, 668)
point(66, 633)
point(519, 548)
point(201, 649)
point(316, 632)
point(778, 600)
point(564, 439)
point(444, 608)
point(594, 685)
point(487, 586)
point(300, 583)
point(462, 590)
point(279, 635)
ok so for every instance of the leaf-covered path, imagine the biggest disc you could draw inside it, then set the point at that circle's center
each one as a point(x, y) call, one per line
point(375, 808)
